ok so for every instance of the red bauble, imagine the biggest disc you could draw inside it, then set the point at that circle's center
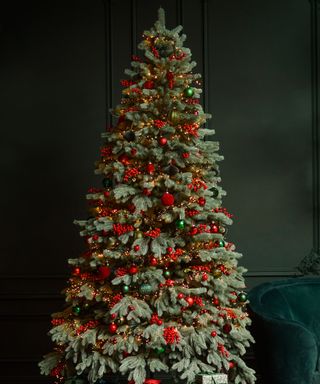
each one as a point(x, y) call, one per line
point(149, 84)
point(167, 199)
point(185, 155)
point(146, 191)
point(76, 271)
point(113, 328)
point(104, 271)
point(131, 208)
point(205, 277)
point(169, 249)
point(227, 328)
point(124, 159)
point(180, 296)
point(201, 201)
point(215, 228)
point(159, 322)
point(232, 364)
point(113, 316)
point(136, 248)
point(133, 151)
point(216, 301)
point(213, 333)
point(133, 269)
point(193, 231)
point(189, 300)
point(153, 261)
point(162, 141)
point(150, 168)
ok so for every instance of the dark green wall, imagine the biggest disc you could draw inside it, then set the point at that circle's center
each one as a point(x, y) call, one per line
point(60, 66)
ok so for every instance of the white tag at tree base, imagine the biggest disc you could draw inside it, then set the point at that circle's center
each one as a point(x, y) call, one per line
point(212, 378)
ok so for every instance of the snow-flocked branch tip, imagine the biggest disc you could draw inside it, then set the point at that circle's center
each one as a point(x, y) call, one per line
point(161, 16)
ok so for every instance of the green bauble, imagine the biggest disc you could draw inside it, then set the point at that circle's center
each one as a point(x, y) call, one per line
point(221, 243)
point(242, 297)
point(167, 273)
point(180, 224)
point(125, 289)
point(215, 192)
point(107, 182)
point(189, 92)
point(145, 289)
point(76, 310)
point(159, 350)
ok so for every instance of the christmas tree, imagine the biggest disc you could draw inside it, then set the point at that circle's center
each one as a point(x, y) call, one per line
point(158, 287)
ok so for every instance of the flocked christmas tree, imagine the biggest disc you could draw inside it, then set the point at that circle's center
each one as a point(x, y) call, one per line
point(158, 287)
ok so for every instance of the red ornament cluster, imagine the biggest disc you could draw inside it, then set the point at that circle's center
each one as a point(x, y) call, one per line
point(127, 83)
point(171, 335)
point(89, 325)
point(222, 210)
point(159, 123)
point(120, 229)
point(130, 173)
point(153, 233)
point(197, 184)
point(56, 322)
point(155, 319)
point(106, 151)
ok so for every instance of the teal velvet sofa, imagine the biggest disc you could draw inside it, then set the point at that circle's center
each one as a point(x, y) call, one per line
point(286, 325)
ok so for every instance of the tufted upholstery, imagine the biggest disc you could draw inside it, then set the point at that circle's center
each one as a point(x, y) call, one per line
point(286, 326)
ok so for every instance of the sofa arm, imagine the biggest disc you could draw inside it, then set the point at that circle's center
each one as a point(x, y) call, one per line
point(287, 352)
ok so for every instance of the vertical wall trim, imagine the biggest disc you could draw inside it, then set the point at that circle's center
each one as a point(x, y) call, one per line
point(134, 42)
point(179, 12)
point(311, 263)
point(315, 120)
point(108, 58)
point(205, 54)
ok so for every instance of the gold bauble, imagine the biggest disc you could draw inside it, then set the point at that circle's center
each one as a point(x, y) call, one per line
point(174, 116)
point(217, 274)
point(122, 320)
point(111, 242)
point(138, 234)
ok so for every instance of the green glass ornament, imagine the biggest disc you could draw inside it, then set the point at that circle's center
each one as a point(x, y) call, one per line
point(167, 273)
point(76, 310)
point(107, 182)
point(129, 136)
point(221, 243)
point(145, 289)
point(180, 224)
point(189, 92)
point(215, 192)
point(159, 350)
point(242, 297)
point(125, 289)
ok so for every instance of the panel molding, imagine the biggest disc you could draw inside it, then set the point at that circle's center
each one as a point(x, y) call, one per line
point(108, 58)
point(311, 262)
point(205, 54)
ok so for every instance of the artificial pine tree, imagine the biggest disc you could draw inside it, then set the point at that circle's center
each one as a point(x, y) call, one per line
point(158, 287)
